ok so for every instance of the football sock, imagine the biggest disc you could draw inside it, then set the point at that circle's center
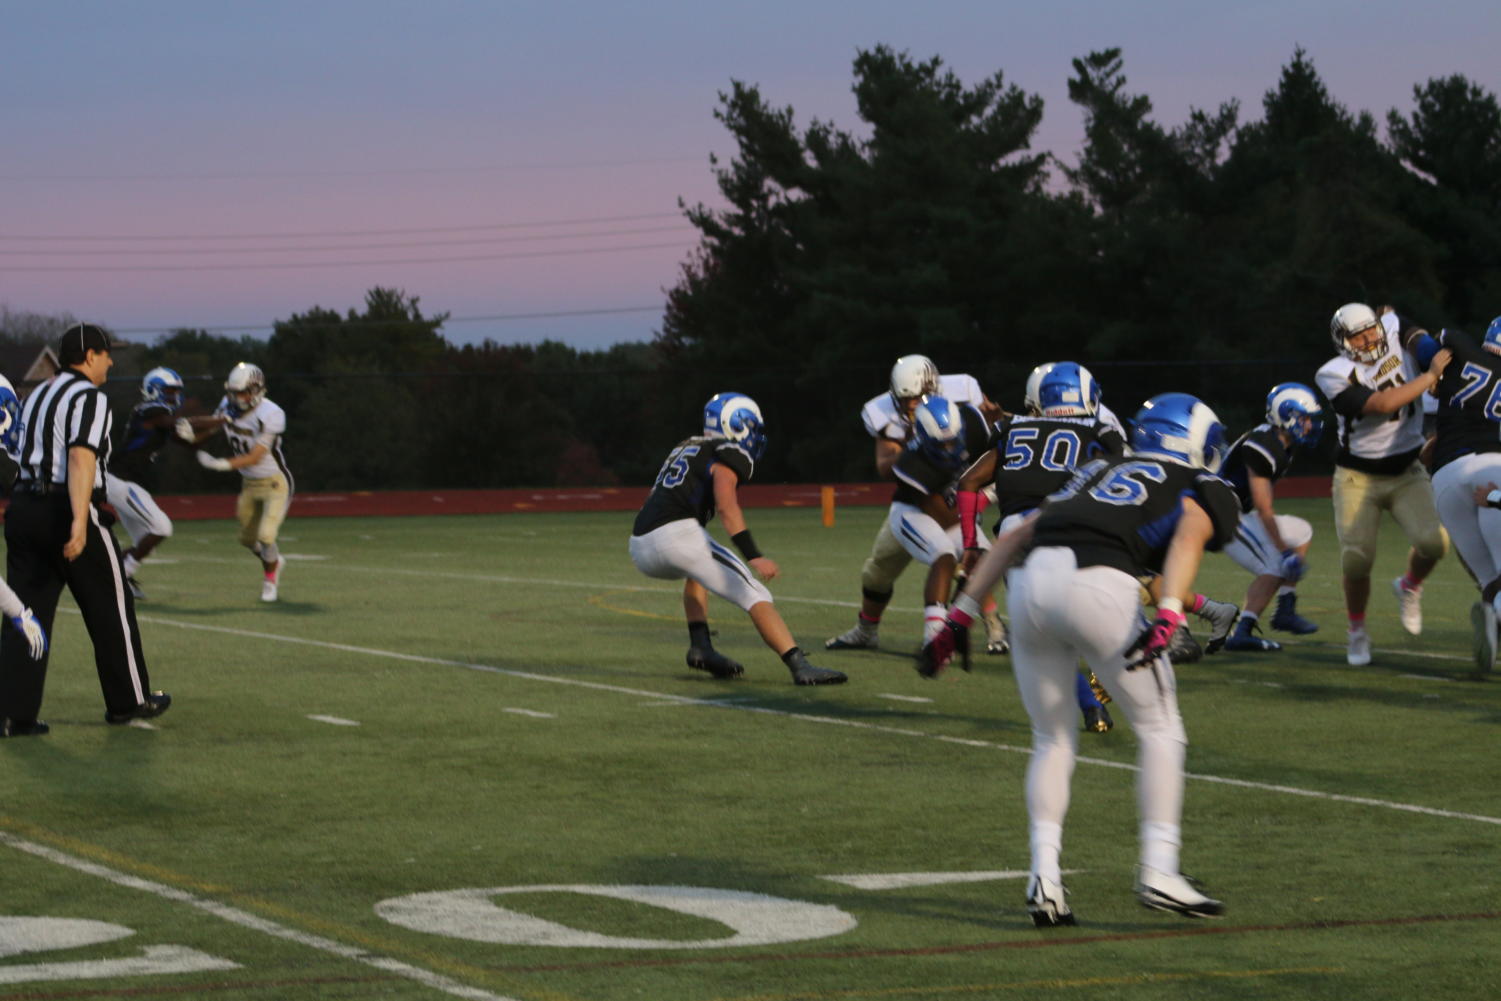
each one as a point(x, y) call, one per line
point(1047, 850)
point(131, 566)
point(1160, 845)
point(1083, 692)
point(698, 636)
point(1409, 584)
point(1198, 603)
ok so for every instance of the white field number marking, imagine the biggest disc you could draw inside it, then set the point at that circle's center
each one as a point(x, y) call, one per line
point(20, 935)
point(755, 918)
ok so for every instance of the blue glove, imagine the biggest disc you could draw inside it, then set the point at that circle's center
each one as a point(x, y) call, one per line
point(35, 635)
point(1293, 566)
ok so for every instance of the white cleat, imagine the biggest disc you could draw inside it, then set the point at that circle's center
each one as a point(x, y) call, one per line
point(1164, 891)
point(1046, 903)
point(858, 638)
point(1410, 605)
point(1221, 616)
point(270, 585)
point(1359, 652)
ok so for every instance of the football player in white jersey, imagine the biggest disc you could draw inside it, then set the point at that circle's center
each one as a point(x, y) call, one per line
point(1374, 386)
point(888, 419)
point(254, 427)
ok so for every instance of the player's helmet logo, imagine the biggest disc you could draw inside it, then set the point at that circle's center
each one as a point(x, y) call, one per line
point(1294, 408)
point(1180, 428)
point(736, 417)
point(164, 386)
point(10, 418)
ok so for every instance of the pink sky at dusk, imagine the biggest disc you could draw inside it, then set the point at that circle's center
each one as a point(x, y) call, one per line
point(168, 119)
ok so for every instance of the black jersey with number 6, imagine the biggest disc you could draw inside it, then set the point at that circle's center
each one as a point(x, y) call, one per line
point(1469, 400)
point(1122, 513)
point(1035, 456)
point(685, 483)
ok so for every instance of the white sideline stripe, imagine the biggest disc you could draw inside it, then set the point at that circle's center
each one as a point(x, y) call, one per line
point(529, 712)
point(254, 922)
point(830, 720)
point(335, 720)
point(902, 698)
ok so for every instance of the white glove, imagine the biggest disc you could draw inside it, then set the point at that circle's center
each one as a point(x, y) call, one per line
point(184, 429)
point(214, 462)
point(32, 629)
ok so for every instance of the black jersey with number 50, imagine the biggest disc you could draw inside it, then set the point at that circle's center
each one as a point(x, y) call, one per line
point(1122, 513)
point(1035, 456)
point(685, 483)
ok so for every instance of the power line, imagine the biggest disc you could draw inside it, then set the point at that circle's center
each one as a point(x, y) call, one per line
point(356, 232)
point(297, 265)
point(493, 318)
point(244, 175)
point(136, 252)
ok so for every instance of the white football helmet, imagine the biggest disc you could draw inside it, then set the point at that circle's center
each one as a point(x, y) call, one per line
point(1349, 320)
point(912, 376)
point(245, 388)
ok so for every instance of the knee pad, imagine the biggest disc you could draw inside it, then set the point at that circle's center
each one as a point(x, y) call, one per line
point(877, 576)
point(1354, 563)
point(1433, 545)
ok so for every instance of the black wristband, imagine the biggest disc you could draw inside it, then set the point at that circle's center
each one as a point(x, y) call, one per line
point(746, 545)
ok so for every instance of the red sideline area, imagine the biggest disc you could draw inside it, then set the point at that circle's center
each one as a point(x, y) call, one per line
point(404, 502)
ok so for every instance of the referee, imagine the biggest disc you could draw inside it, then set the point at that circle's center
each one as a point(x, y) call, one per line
point(54, 536)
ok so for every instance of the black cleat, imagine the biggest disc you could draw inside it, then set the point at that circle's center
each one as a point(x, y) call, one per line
point(1183, 648)
point(20, 728)
point(1097, 719)
point(156, 703)
point(804, 673)
point(136, 590)
point(714, 662)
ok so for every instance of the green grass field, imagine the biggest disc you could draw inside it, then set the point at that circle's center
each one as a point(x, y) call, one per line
point(463, 758)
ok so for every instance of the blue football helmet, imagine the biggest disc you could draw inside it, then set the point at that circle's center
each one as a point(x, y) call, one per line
point(1493, 335)
point(1062, 389)
point(164, 386)
point(1295, 409)
point(1180, 428)
point(735, 417)
point(10, 417)
point(939, 423)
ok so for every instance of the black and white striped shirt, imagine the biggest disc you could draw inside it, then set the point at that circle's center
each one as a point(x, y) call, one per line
point(64, 412)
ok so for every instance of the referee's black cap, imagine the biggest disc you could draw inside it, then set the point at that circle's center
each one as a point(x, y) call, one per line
point(78, 340)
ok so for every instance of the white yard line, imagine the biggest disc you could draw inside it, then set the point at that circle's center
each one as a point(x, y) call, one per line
point(254, 922)
point(806, 717)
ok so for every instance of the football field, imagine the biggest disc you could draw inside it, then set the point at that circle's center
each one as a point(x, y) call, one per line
point(463, 757)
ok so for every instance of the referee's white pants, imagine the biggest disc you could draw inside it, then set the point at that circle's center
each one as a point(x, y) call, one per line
point(1060, 613)
point(1476, 531)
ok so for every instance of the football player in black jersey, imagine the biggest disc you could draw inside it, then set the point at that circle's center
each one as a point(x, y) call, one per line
point(1467, 467)
point(1273, 547)
point(669, 541)
point(948, 436)
point(1034, 456)
point(132, 476)
point(1076, 595)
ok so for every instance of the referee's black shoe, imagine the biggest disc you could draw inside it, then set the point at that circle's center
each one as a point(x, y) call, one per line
point(156, 703)
point(20, 728)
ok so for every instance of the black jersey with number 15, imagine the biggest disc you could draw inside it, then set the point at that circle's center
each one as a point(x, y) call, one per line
point(1122, 513)
point(685, 483)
